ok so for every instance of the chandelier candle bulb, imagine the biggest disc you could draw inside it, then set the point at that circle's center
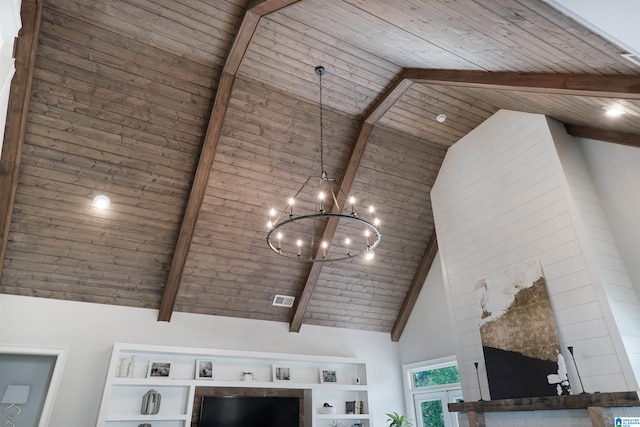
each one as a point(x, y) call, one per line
point(291, 203)
point(369, 254)
point(272, 214)
point(321, 198)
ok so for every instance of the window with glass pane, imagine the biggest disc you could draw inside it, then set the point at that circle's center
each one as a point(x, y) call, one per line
point(437, 376)
point(432, 415)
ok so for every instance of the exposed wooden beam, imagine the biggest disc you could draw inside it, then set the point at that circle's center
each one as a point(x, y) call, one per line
point(623, 138)
point(625, 87)
point(415, 288)
point(391, 96)
point(196, 197)
point(304, 296)
point(16, 121)
point(381, 106)
point(210, 143)
point(622, 399)
point(240, 44)
point(265, 7)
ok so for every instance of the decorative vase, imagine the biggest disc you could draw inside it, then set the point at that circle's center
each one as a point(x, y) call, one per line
point(150, 403)
point(123, 368)
point(132, 367)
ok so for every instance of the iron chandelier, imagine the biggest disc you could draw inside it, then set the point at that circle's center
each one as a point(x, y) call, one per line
point(332, 217)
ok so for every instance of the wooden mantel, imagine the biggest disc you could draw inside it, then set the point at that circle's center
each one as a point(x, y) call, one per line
point(594, 403)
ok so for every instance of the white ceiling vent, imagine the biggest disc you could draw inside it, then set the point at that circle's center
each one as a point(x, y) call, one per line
point(631, 57)
point(283, 301)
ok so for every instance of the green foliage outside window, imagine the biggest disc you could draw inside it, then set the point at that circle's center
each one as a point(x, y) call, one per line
point(432, 415)
point(434, 377)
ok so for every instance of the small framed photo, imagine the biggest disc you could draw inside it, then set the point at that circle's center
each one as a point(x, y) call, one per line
point(281, 373)
point(158, 369)
point(328, 376)
point(204, 369)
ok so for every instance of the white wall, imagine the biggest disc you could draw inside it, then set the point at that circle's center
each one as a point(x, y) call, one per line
point(429, 333)
point(616, 174)
point(616, 20)
point(600, 248)
point(89, 331)
point(502, 198)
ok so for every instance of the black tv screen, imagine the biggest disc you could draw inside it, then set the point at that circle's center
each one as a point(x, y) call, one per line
point(249, 411)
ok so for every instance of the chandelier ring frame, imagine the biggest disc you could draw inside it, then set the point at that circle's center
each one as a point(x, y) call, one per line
point(376, 233)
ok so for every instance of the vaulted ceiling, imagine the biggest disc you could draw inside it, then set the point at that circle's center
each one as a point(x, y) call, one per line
point(197, 116)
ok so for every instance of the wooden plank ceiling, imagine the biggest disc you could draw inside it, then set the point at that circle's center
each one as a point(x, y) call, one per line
point(197, 116)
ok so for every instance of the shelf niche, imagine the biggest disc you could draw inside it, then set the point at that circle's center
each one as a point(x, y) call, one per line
point(121, 396)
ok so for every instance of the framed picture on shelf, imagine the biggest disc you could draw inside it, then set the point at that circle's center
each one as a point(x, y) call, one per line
point(204, 369)
point(328, 376)
point(281, 373)
point(159, 369)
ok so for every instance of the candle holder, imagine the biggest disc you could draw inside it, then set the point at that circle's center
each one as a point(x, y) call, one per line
point(478, 378)
point(577, 371)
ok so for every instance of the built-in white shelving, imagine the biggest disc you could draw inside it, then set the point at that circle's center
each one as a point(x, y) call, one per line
point(122, 397)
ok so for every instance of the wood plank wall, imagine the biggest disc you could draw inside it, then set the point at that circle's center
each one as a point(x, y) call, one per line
point(395, 176)
point(269, 146)
point(117, 108)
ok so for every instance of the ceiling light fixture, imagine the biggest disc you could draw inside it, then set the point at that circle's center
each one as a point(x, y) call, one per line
point(299, 236)
point(613, 111)
point(101, 201)
point(440, 118)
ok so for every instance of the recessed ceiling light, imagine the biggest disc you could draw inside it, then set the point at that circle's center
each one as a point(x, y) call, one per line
point(440, 118)
point(613, 111)
point(101, 201)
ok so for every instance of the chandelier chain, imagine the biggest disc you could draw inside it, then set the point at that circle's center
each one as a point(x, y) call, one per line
point(322, 171)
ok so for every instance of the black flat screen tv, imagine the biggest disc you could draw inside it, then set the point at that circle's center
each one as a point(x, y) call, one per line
point(249, 411)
